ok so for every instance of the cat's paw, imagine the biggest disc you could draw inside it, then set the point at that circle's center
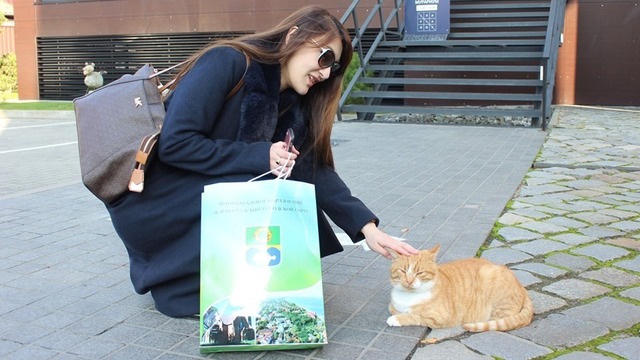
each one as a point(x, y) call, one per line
point(393, 321)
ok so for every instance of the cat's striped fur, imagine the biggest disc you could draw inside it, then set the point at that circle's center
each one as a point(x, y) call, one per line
point(474, 293)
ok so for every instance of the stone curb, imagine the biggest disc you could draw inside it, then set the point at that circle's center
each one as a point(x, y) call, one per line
point(38, 114)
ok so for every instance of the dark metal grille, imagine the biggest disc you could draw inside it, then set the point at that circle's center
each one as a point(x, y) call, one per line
point(61, 59)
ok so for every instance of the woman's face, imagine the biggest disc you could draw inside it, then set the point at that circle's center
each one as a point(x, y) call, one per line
point(302, 70)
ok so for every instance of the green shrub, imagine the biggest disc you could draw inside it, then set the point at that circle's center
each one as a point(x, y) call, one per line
point(8, 73)
point(348, 75)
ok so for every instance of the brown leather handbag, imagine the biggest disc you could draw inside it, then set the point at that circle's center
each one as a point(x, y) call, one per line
point(118, 126)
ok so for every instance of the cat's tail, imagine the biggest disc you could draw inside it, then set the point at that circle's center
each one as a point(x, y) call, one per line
point(515, 321)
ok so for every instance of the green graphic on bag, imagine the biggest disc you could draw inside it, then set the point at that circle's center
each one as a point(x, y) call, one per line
point(264, 249)
point(263, 246)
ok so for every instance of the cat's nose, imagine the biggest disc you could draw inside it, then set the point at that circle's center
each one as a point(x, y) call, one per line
point(410, 281)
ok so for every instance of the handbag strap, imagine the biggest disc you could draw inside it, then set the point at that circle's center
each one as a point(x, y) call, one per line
point(229, 95)
point(148, 144)
point(241, 81)
point(164, 87)
point(136, 183)
point(158, 73)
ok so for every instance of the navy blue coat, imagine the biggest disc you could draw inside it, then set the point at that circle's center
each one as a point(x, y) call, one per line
point(205, 140)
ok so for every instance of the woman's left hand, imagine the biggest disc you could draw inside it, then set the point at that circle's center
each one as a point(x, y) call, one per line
point(380, 242)
point(281, 161)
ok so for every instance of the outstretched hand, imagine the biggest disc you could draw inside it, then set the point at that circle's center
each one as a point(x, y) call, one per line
point(384, 244)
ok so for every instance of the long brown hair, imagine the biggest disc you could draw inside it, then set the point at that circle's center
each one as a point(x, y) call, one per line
point(320, 104)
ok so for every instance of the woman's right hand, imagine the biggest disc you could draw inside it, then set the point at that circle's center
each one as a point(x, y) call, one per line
point(279, 157)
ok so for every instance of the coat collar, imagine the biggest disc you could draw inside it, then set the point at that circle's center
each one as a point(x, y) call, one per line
point(262, 102)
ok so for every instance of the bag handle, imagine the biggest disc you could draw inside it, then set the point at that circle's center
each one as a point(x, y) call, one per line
point(148, 144)
point(282, 174)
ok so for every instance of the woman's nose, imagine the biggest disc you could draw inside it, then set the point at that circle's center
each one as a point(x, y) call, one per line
point(326, 72)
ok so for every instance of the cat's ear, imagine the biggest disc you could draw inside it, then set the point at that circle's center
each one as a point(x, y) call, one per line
point(434, 250)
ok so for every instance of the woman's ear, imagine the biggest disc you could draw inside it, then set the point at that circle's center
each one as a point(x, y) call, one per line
point(291, 31)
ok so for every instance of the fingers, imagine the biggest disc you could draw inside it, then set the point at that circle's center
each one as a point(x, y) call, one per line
point(383, 251)
point(281, 165)
point(391, 248)
point(393, 253)
point(377, 247)
point(281, 172)
point(280, 160)
point(278, 152)
point(405, 249)
point(387, 255)
point(389, 252)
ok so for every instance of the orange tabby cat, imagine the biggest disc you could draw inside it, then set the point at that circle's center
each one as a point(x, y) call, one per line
point(474, 293)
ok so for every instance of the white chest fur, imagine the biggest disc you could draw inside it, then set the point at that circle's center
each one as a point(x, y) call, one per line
point(403, 299)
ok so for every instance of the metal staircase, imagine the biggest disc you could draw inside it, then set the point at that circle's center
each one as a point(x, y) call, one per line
point(499, 59)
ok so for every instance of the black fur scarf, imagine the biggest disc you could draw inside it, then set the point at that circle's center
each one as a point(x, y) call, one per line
point(261, 113)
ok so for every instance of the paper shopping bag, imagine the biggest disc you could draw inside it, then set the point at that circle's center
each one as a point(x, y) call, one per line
point(261, 278)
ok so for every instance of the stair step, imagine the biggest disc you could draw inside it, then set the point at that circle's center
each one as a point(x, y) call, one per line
point(462, 82)
point(464, 42)
point(454, 68)
point(501, 5)
point(460, 55)
point(499, 15)
point(497, 34)
point(447, 95)
point(390, 109)
point(500, 24)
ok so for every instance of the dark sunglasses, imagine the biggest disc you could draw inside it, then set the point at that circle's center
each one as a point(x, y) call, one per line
point(327, 58)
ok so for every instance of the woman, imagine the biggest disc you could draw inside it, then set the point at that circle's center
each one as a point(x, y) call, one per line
point(293, 80)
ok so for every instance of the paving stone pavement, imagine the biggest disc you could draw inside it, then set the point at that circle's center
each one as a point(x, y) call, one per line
point(572, 235)
point(569, 227)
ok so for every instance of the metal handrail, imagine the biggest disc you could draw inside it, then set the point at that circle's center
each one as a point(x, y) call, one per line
point(386, 20)
point(554, 27)
point(550, 55)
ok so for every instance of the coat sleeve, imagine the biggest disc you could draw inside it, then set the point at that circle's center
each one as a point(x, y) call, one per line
point(188, 140)
point(335, 198)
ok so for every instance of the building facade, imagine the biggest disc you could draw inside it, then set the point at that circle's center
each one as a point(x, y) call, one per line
point(597, 63)
point(7, 36)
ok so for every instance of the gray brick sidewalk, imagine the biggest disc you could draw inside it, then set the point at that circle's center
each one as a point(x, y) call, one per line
point(572, 235)
point(569, 234)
